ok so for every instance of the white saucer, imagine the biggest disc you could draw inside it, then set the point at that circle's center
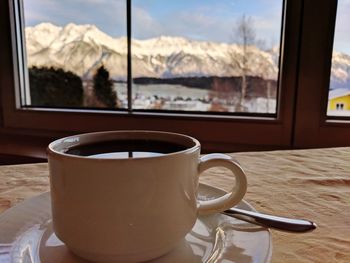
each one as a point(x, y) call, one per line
point(26, 236)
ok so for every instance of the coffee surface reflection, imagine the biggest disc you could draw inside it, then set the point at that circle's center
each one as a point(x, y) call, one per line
point(122, 149)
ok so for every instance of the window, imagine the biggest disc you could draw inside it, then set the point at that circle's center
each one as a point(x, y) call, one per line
point(206, 56)
point(295, 94)
point(185, 57)
point(339, 87)
point(323, 37)
point(75, 58)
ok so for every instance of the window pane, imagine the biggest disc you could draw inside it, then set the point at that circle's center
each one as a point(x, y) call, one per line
point(339, 89)
point(76, 53)
point(195, 55)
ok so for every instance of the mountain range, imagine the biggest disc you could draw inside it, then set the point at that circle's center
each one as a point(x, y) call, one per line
point(83, 48)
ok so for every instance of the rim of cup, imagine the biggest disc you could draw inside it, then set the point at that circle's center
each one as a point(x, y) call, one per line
point(59, 147)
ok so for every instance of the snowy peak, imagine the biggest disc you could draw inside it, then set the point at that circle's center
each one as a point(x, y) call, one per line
point(41, 36)
point(82, 48)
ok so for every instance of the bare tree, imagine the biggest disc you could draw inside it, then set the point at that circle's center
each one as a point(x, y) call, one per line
point(244, 35)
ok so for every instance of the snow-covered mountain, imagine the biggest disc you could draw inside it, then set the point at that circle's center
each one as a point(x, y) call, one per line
point(82, 48)
point(75, 48)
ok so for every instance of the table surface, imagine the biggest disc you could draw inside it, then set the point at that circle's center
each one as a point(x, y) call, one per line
point(312, 184)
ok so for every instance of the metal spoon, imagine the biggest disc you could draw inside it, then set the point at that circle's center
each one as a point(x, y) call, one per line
point(270, 221)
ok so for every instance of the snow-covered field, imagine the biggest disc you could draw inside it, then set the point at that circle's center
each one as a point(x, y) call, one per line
point(181, 98)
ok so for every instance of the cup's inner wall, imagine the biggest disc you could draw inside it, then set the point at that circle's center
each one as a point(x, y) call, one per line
point(126, 148)
point(123, 144)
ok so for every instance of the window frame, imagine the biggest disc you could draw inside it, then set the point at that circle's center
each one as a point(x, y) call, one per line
point(313, 128)
point(225, 133)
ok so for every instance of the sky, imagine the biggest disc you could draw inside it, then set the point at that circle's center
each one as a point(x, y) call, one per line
point(342, 29)
point(207, 20)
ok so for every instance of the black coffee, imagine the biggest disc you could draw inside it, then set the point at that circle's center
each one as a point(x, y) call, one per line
point(126, 149)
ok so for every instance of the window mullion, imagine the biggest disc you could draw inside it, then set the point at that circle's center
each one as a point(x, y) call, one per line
point(129, 68)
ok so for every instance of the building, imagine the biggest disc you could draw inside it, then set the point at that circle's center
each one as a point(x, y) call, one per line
point(339, 100)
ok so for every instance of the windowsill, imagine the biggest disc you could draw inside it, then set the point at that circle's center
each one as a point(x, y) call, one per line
point(23, 146)
point(253, 117)
point(32, 144)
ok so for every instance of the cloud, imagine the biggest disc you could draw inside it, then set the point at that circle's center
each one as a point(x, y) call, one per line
point(38, 11)
point(34, 17)
point(94, 2)
point(195, 23)
point(201, 19)
point(144, 25)
point(206, 20)
point(109, 16)
point(268, 29)
point(201, 26)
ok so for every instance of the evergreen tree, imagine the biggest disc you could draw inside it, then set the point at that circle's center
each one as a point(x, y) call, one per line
point(51, 87)
point(103, 88)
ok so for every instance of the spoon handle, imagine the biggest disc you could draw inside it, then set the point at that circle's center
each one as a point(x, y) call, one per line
point(270, 221)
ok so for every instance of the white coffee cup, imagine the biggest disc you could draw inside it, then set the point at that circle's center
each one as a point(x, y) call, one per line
point(130, 209)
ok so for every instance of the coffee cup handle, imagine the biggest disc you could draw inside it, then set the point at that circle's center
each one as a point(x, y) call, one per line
point(235, 195)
